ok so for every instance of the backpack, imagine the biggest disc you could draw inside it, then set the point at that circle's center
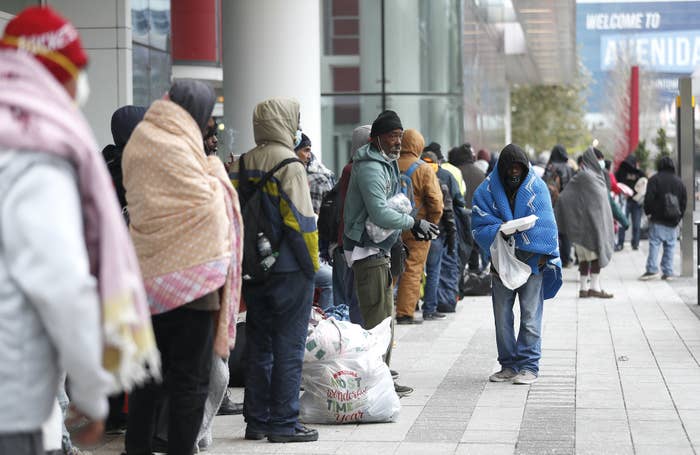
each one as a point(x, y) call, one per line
point(672, 207)
point(553, 181)
point(407, 184)
point(256, 224)
point(328, 222)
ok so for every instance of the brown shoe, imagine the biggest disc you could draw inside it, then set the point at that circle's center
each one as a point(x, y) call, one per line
point(600, 294)
point(584, 294)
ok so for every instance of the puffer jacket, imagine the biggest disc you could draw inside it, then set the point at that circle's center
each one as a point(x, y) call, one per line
point(373, 181)
point(426, 189)
point(287, 202)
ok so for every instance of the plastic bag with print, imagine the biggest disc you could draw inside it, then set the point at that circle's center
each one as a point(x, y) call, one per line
point(348, 382)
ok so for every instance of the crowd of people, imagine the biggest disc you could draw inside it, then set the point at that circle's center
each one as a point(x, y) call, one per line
point(128, 271)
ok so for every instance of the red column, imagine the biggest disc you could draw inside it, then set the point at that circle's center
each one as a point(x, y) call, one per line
point(633, 129)
point(195, 32)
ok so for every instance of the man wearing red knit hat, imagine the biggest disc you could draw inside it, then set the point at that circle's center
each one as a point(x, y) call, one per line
point(70, 286)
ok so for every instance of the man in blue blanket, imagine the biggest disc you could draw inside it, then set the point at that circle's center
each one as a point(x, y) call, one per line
point(514, 191)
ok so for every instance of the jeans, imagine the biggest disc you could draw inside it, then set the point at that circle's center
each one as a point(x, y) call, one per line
point(661, 235)
point(450, 276)
point(523, 353)
point(25, 443)
point(324, 281)
point(185, 338)
point(634, 211)
point(432, 275)
point(276, 325)
point(340, 269)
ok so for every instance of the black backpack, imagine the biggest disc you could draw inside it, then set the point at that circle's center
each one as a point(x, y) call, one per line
point(255, 222)
point(328, 222)
point(672, 207)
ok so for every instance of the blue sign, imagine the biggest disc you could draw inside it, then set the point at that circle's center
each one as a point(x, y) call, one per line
point(663, 38)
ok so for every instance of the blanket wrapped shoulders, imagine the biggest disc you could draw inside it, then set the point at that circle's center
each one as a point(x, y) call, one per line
point(491, 209)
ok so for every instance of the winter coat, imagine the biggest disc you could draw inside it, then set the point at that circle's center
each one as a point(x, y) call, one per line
point(286, 201)
point(628, 173)
point(655, 202)
point(373, 181)
point(426, 189)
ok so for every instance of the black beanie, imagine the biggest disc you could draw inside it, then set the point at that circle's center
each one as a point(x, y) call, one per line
point(385, 122)
point(305, 142)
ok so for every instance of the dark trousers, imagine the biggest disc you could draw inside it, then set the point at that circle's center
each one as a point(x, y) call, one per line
point(276, 326)
point(21, 443)
point(185, 339)
point(564, 249)
point(634, 211)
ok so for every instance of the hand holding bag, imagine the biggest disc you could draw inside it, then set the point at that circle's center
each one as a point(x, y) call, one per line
point(512, 272)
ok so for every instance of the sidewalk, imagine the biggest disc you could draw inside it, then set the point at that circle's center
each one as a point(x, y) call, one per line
point(617, 376)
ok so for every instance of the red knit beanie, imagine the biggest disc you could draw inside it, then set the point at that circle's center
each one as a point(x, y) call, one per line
point(53, 40)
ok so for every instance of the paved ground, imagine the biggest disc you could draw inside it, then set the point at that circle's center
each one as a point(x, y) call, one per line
point(617, 377)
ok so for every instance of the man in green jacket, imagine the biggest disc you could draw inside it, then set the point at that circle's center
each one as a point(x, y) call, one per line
point(374, 180)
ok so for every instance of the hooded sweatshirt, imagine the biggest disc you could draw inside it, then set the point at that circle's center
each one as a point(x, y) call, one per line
point(557, 164)
point(512, 154)
point(374, 180)
point(124, 121)
point(287, 202)
point(628, 173)
point(463, 158)
point(662, 183)
point(426, 189)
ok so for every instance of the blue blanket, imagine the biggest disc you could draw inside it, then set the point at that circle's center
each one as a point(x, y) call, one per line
point(491, 209)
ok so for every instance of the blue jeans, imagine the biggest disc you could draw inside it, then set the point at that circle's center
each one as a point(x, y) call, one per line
point(661, 235)
point(340, 269)
point(276, 325)
point(633, 210)
point(450, 275)
point(324, 281)
point(432, 275)
point(523, 353)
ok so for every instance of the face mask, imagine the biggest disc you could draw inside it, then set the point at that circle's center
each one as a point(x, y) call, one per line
point(602, 164)
point(297, 139)
point(513, 181)
point(82, 91)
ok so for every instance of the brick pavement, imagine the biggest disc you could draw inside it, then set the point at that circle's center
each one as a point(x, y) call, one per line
point(617, 377)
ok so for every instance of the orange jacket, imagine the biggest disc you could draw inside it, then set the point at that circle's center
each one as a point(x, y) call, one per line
point(426, 188)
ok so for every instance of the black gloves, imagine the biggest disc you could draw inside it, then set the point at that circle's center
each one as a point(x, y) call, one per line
point(425, 230)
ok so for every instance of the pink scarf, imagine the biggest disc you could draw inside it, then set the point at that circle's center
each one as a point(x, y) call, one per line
point(36, 114)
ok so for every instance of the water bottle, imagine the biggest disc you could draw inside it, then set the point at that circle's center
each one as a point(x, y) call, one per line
point(268, 262)
point(264, 245)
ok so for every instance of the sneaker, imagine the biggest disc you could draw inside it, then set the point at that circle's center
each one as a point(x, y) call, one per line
point(394, 374)
point(600, 294)
point(619, 247)
point(402, 390)
point(407, 320)
point(505, 375)
point(442, 308)
point(668, 277)
point(302, 433)
point(649, 276)
point(435, 316)
point(584, 294)
point(525, 377)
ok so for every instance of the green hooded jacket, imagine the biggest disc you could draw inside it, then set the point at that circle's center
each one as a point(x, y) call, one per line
point(373, 181)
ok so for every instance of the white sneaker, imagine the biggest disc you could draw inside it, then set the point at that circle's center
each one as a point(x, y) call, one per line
point(649, 276)
point(525, 377)
point(505, 375)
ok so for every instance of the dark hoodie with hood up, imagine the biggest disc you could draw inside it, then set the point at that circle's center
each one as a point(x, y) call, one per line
point(662, 183)
point(628, 173)
point(558, 164)
point(124, 121)
point(509, 155)
point(463, 158)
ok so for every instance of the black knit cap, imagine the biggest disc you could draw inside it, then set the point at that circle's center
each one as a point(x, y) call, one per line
point(386, 121)
point(305, 142)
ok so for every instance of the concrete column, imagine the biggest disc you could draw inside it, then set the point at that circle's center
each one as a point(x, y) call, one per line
point(686, 150)
point(105, 29)
point(270, 48)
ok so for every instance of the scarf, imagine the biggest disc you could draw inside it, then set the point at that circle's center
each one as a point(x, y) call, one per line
point(583, 210)
point(491, 209)
point(185, 217)
point(36, 114)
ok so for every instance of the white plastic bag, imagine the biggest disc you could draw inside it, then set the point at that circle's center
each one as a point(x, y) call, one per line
point(348, 382)
point(398, 202)
point(512, 271)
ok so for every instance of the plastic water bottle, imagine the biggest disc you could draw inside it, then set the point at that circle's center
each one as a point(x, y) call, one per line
point(264, 245)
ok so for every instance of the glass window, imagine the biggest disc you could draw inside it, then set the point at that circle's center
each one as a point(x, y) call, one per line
point(16, 6)
point(152, 63)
